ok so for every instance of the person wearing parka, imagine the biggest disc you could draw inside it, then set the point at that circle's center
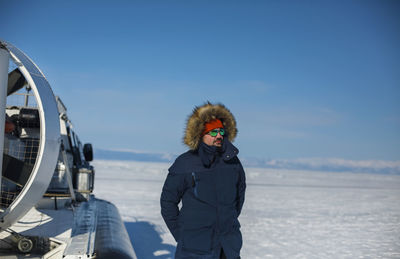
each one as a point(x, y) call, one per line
point(210, 182)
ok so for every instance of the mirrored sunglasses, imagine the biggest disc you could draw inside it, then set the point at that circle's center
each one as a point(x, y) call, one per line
point(214, 132)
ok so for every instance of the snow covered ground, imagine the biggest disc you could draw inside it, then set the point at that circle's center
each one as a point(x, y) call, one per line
point(287, 213)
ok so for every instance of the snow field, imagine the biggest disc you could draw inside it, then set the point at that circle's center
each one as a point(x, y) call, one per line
point(287, 213)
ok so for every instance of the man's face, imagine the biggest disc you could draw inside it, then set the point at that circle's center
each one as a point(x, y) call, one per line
point(214, 141)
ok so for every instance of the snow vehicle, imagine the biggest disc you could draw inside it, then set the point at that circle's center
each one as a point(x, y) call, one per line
point(47, 208)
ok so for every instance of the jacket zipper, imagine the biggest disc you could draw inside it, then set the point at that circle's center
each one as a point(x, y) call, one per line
point(194, 184)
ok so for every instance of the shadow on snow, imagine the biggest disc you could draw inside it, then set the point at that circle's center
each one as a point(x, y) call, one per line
point(147, 242)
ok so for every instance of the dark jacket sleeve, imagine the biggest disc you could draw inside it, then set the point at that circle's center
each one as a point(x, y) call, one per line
point(241, 188)
point(171, 195)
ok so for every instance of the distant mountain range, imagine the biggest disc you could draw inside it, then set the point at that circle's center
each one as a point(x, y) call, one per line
point(315, 164)
point(103, 154)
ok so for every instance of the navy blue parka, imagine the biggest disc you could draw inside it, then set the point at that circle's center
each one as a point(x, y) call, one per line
point(211, 184)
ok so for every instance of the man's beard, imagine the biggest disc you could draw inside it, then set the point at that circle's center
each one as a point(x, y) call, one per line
point(218, 143)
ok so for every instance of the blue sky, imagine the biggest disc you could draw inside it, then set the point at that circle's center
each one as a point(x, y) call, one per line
point(303, 78)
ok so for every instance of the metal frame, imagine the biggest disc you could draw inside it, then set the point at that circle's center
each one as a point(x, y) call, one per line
point(4, 57)
point(49, 139)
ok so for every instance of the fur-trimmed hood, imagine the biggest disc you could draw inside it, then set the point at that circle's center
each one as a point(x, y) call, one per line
point(203, 114)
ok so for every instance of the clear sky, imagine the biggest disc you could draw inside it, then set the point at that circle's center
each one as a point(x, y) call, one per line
point(303, 78)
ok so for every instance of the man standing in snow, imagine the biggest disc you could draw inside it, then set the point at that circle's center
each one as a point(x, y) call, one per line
point(210, 181)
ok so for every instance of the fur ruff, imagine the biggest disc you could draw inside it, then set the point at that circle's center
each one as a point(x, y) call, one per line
point(203, 114)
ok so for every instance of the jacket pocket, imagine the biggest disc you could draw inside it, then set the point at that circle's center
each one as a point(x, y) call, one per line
point(202, 187)
point(198, 240)
point(195, 184)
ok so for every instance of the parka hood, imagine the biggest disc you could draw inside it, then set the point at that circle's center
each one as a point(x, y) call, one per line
point(203, 114)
